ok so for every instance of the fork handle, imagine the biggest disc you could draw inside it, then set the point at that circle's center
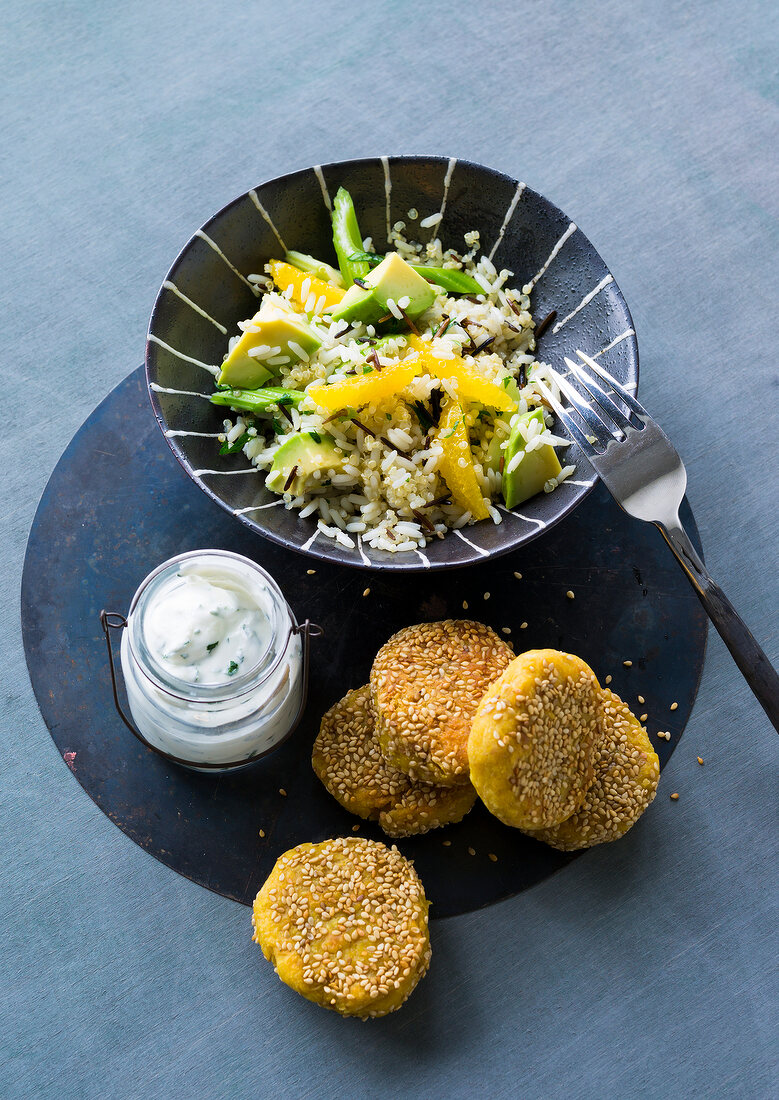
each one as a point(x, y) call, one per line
point(757, 670)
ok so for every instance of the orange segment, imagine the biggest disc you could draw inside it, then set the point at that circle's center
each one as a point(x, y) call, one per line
point(471, 386)
point(364, 389)
point(460, 480)
point(285, 275)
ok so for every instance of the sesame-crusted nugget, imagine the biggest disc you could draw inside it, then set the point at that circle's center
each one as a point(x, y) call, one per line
point(427, 682)
point(349, 762)
point(532, 743)
point(344, 923)
point(626, 773)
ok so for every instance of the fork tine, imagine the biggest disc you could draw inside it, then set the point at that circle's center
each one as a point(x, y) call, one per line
point(565, 417)
point(627, 398)
point(602, 400)
point(595, 423)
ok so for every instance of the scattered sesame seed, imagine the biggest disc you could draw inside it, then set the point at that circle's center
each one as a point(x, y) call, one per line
point(674, 797)
point(486, 595)
point(518, 576)
point(506, 629)
point(471, 851)
point(628, 664)
point(465, 605)
point(608, 679)
point(493, 857)
point(367, 592)
point(641, 699)
point(446, 843)
point(311, 572)
point(282, 792)
point(523, 626)
point(355, 828)
point(700, 759)
point(570, 595)
point(674, 706)
point(262, 832)
point(643, 718)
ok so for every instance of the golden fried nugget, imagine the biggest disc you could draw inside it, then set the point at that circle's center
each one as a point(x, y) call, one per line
point(626, 773)
point(348, 760)
point(344, 923)
point(427, 682)
point(532, 743)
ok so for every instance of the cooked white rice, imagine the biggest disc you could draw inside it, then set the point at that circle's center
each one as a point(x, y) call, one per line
point(381, 493)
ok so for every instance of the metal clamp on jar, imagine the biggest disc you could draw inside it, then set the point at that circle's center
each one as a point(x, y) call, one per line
point(215, 664)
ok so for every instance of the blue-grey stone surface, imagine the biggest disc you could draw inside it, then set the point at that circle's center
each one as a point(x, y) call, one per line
point(646, 968)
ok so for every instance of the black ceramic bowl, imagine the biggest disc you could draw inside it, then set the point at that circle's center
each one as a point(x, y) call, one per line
point(206, 293)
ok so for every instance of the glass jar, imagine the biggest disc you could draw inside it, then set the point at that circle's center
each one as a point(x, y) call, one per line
point(227, 723)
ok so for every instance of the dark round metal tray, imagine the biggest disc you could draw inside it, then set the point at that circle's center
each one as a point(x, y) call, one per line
point(117, 505)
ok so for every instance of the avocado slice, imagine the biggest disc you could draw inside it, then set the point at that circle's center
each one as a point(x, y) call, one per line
point(535, 469)
point(276, 327)
point(303, 453)
point(393, 278)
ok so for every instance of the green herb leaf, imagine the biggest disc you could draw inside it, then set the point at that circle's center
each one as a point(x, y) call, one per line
point(317, 438)
point(232, 668)
point(236, 446)
point(366, 258)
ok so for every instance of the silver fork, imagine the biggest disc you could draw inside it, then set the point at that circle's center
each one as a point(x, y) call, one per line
point(642, 470)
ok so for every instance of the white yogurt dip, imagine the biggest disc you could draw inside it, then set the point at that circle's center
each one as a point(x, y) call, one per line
point(211, 659)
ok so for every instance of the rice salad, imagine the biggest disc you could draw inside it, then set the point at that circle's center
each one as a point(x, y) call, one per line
point(391, 419)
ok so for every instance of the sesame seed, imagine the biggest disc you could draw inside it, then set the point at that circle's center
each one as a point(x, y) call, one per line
point(486, 595)
point(446, 843)
point(311, 572)
point(493, 857)
point(471, 851)
point(674, 706)
point(465, 605)
point(643, 718)
point(641, 699)
point(518, 576)
point(367, 592)
point(355, 828)
point(674, 797)
point(628, 664)
point(570, 595)
point(505, 629)
point(523, 626)
point(262, 832)
point(700, 759)
point(608, 679)
point(282, 792)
